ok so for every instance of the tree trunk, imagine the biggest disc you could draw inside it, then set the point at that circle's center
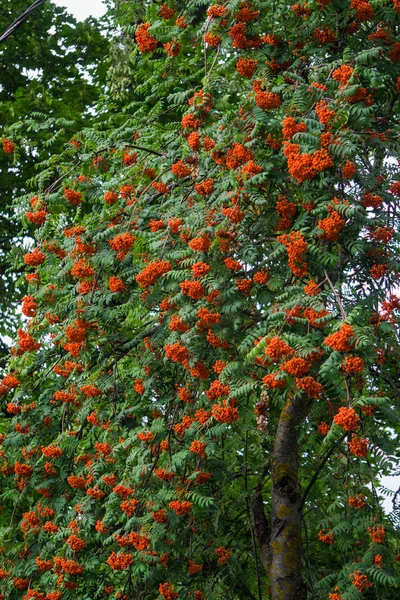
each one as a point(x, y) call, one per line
point(285, 539)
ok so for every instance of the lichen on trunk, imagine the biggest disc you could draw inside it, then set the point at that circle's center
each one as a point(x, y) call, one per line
point(285, 525)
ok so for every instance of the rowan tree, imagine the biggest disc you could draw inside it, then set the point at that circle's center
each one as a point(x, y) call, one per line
point(205, 394)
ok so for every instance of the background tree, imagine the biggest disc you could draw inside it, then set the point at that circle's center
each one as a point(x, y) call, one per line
point(205, 396)
point(52, 70)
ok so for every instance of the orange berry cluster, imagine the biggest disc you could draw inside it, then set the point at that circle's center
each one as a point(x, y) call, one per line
point(129, 158)
point(201, 243)
point(360, 581)
point(51, 451)
point(198, 448)
point(224, 414)
point(223, 554)
point(364, 10)
point(353, 364)
point(8, 146)
point(167, 591)
point(238, 155)
point(120, 561)
point(181, 508)
point(379, 271)
point(265, 100)
point(205, 188)
point(324, 113)
point(76, 482)
point(207, 318)
point(116, 285)
point(166, 12)
point(348, 169)
point(129, 506)
point(212, 39)
point(261, 277)
point(216, 10)
point(326, 538)
point(357, 501)
point(194, 140)
point(239, 38)
point(73, 197)
point(244, 286)
point(193, 289)
point(91, 391)
point(35, 258)
point(306, 166)
point(152, 272)
point(290, 127)
point(347, 418)
point(82, 269)
point(296, 247)
point(331, 226)
point(29, 306)
point(26, 343)
point(172, 48)
point(377, 534)
point(339, 341)
point(217, 389)
point(277, 348)
point(343, 74)
point(251, 168)
point(68, 566)
point(38, 217)
point(246, 67)
point(312, 388)
point(145, 41)
point(296, 366)
point(323, 429)
point(180, 170)
point(358, 446)
point(76, 543)
point(178, 324)
point(188, 121)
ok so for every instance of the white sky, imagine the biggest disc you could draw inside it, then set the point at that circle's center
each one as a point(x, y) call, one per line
point(81, 9)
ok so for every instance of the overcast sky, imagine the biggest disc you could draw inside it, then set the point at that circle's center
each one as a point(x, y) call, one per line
point(82, 9)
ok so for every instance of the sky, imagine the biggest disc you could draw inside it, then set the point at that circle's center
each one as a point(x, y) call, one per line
point(81, 9)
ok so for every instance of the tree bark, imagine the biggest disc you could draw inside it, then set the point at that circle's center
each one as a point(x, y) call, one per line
point(285, 539)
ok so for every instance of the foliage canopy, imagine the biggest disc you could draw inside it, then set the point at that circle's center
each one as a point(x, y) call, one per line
point(205, 395)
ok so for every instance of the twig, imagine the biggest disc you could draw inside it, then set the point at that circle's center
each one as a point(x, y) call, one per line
point(18, 22)
point(45, 375)
point(342, 311)
point(213, 63)
point(55, 183)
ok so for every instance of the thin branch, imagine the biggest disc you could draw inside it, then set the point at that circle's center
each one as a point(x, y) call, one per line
point(253, 539)
point(21, 19)
point(334, 290)
point(320, 467)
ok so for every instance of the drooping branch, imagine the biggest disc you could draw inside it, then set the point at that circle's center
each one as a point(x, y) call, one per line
point(21, 19)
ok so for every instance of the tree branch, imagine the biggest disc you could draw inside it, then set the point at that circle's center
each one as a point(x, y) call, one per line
point(18, 22)
point(320, 467)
